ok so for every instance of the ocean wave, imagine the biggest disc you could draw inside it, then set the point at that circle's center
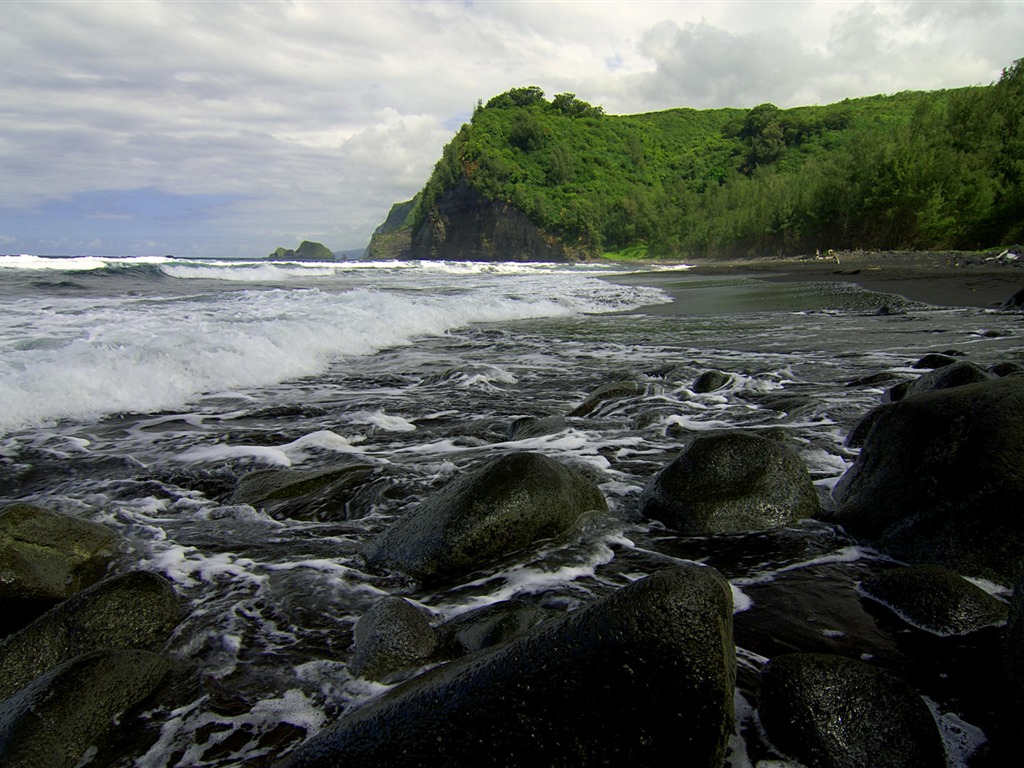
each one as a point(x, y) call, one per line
point(146, 351)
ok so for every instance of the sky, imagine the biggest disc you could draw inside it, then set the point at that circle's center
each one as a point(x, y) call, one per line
point(227, 129)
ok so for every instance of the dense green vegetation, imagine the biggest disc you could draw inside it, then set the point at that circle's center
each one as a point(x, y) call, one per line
point(936, 170)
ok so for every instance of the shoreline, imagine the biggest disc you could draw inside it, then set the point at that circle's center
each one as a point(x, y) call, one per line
point(938, 278)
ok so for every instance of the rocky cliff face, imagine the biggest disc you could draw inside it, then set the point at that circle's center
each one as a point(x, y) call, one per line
point(393, 238)
point(463, 225)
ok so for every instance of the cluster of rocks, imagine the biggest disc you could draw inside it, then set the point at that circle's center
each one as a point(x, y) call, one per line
point(935, 484)
point(647, 673)
point(80, 649)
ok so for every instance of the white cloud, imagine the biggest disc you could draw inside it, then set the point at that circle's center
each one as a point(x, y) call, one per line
point(311, 118)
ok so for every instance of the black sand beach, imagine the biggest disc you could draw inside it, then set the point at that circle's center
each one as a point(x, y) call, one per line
point(939, 278)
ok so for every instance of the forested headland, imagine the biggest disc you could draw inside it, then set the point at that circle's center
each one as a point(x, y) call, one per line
point(939, 170)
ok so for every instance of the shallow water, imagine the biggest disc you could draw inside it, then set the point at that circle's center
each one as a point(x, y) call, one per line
point(138, 394)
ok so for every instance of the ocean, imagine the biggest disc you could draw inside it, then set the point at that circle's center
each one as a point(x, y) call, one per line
point(137, 392)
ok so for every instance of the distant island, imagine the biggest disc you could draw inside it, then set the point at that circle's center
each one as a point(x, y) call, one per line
point(560, 180)
point(307, 251)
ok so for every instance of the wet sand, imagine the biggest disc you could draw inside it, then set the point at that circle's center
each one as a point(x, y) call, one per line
point(942, 279)
point(936, 278)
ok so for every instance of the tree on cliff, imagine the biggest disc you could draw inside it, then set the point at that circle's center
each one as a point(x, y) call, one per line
point(942, 169)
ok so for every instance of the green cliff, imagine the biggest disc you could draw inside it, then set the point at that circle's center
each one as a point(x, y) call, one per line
point(534, 179)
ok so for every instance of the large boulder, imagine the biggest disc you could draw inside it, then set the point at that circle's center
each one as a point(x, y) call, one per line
point(644, 676)
point(392, 636)
point(726, 482)
point(833, 712)
point(935, 599)
point(133, 610)
point(46, 557)
point(55, 720)
point(956, 374)
point(503, 507)
point(940, 478)
point(709, 381)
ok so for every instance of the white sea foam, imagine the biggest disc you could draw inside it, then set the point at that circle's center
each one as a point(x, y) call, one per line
point(86, 356)
point(385, 421)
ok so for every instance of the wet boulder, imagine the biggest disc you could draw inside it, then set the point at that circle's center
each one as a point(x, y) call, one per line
point(726, 482)
point(955, 374)
point(505, 506)
point(709, 381)
point(56, 719)
point(856, 436)
point(934, 360)
point(645, 673)
point(46, 557)
point(133, 610)
point(305, 494)
point(1005, 368)
point(616, 390)
point(935, 599)
point(392, 636)
point(833, 712)
point(491, 625)
point(939, 480)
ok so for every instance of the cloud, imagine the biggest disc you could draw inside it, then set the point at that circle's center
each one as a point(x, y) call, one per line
point(284, 120)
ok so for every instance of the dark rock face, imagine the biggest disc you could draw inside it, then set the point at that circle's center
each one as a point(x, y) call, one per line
point(939, 480)
point(936, 599)
point(51, 722)
point(133, 610)
point(501, 508)
point(645, 673)
point(833, 712)
point(727, 482)
point(390, 637)
point(46, 557)
point(709, 381)
point(465, 226)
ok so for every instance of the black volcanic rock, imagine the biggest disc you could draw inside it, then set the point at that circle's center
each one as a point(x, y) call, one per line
point(940, 480)
point(936, 599)
point(502, 507)
point(833, 712)
point(136, 610)
point(642, 677)
point(56, 719)
point(393, 635)
point(46, 557)
point(726, 482)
